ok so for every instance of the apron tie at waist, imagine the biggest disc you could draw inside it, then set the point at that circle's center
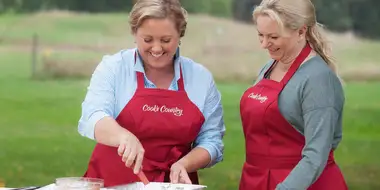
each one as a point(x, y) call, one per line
point(278, 162)
point(164, 167)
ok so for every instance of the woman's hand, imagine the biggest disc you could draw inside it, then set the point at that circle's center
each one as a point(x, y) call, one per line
point(131, 150)
point(178, 174)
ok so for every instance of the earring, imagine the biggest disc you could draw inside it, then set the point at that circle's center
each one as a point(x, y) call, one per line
point(179, 43)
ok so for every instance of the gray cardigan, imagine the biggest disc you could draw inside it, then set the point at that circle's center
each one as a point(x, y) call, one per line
point(312, 102)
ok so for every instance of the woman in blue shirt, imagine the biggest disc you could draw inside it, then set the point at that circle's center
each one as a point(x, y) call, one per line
point(150, 109)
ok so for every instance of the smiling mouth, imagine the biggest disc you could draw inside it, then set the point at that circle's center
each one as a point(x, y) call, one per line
point(157, 55)
point(275, 50)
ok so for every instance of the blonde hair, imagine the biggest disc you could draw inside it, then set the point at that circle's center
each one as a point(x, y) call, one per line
point(159, 9)
point(294, 14)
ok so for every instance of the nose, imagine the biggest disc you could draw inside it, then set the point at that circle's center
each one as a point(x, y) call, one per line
point(157, 48)
point(264, 43)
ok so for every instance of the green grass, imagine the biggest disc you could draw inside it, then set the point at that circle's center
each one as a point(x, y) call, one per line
point(206, 39)
point(39, 141)
point(62, 28)
point(38, 120)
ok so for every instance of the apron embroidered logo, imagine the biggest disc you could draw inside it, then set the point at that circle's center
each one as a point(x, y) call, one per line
point(163, 109)
point(254, 96)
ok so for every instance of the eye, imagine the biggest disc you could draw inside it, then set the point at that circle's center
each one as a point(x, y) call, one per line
point(147, 40)
point(165, 40)
point(274, 37)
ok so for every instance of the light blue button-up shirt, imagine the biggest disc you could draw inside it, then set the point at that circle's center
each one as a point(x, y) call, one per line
point(114, 82)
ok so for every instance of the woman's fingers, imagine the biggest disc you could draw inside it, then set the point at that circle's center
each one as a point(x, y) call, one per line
point(174, 175)
point(184, 177)
point(139, 160)
point(126, 153)
point(132, 152)
point(121, 149)
point(131, 157)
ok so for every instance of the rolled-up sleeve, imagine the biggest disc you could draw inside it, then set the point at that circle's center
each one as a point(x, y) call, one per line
point(212, 132)
point(100, 100)
point(322, 106)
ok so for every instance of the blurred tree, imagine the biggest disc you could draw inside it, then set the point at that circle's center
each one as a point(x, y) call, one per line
point(361, 16)
point(242, 9)
point(365, 15)
point(333, 14)
point(195, 6)
point(73, 5)
point(11, 5)
point(220, 8)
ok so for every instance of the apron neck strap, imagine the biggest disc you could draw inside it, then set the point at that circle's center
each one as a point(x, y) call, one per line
point(181, 86)
point(141, 79)
point(296, 64)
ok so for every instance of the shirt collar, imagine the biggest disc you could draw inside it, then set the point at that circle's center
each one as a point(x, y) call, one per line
point(139, 63)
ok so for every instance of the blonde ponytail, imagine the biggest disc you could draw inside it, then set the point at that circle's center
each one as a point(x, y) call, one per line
point(319, 43)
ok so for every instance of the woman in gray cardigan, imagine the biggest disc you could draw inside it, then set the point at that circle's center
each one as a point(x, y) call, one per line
point(292, 115)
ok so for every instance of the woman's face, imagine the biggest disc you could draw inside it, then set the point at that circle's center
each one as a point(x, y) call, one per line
point(280, 46)
point(157, 41)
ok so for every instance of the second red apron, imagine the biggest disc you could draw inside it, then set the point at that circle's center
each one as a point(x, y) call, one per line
point(273, 146)
point(166, 122)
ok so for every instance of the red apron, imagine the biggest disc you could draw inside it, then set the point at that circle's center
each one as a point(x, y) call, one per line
point(166, 122)
point(273, 146)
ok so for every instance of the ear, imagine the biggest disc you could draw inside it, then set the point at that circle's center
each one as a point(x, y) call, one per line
point(302, 32)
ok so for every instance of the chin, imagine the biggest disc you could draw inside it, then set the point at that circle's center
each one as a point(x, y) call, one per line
point(275, 56)
point(159, 64)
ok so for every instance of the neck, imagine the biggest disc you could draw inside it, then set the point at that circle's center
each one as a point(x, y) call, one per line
point(287, 60)
point(159, 75)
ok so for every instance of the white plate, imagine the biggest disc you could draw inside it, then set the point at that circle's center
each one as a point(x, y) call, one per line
point(53, 187)
point(150, 186)
point(169, 186)
point(160, 186)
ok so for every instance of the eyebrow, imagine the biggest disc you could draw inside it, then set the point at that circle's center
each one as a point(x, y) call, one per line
point(270, 34)
point(165, 36)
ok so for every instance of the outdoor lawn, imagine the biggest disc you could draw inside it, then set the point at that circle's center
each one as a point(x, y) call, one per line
point(38, 122)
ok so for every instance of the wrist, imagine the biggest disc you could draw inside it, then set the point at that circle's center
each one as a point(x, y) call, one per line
point(123, 135)
point(185, 163)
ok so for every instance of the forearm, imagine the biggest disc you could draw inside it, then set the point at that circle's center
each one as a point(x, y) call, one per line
point(208, 146)
point(302, 176)
point(318, 136)
point(108, 132)
point(322, 104)
point(196, 159)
